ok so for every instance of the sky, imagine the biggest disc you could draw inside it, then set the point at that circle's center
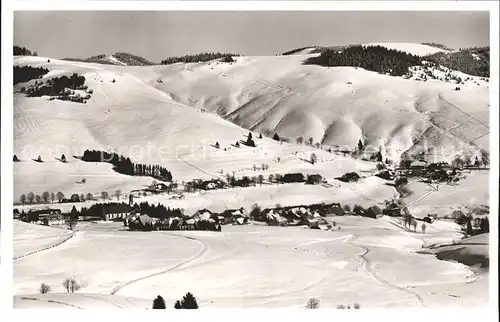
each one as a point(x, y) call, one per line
point(157, 35)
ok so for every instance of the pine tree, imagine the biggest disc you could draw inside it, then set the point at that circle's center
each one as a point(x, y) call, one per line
point(159, 303)
point(189, 301)
point(276, 137)
point(178, 305)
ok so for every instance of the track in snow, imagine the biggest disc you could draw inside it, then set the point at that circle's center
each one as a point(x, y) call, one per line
point(367, 264)
point(46, 248)
point(51, 301)
point(118, 288)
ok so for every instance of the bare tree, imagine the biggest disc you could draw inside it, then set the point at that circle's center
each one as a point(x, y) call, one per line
point(31, 197)
point(44, 288)
point(38, 199)
point(89, 196)
point(313, 303)
point(52, 197)
point(424, 227)
point(46, 196)
point(357, 306)
point(317, 145)
point(60, 196)
point(23, 199)
point(118, 193)
point(82, 197)
point(300, 140)
point(311, 140)
point(104, 195)
point(271, 178)
point(414, 224)
point(314, 158)
point(71, 285)
point(71, 221)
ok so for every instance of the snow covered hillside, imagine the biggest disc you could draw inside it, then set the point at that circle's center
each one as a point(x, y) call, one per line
point(147, 114)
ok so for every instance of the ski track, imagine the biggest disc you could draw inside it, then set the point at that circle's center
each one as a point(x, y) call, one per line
point(51, 301)
point(118, 288)
point(180, 157)
point(46, 248)
point(367, 264)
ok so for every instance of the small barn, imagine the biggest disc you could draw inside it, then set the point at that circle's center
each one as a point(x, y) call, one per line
point(335, 210)
point(373, 212)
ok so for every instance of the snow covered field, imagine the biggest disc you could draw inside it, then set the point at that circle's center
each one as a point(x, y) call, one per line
point(370, 262)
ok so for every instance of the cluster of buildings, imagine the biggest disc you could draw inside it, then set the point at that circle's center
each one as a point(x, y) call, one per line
point(47, 217)
point(433, 172)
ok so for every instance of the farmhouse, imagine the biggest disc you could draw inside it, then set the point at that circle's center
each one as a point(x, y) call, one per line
point(53, 220)
point(392, 210)
point(130, 218)
point(373, 212)
point(37, 215)
point(314, 179)
point(418, 168)
point(335, 209)
point(202, 214)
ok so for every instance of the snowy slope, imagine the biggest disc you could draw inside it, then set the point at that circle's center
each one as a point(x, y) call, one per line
point(148, 115)
point(335, 106)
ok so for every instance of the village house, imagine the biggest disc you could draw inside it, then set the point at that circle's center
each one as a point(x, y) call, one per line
point(187, 225)
point(314, 179)
point(54, 220)
point(476, 223)
point(131, 217)
point(39, 215)
point(373, 212)
point(202, 214)
point(392, 209)
point(335, 210)
point(228, 214)
point(417, 168)
point(358, 210)
point(114, 216)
